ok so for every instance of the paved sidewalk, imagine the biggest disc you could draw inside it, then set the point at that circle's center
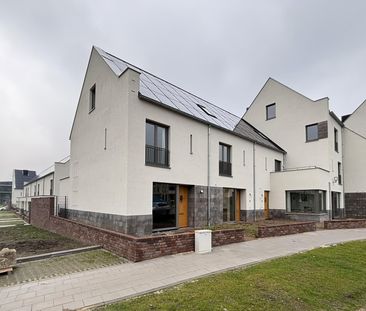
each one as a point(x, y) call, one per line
point(112, 283)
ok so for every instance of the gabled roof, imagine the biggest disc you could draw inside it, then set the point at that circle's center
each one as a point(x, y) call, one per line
point(23, 176)
point(163, 93)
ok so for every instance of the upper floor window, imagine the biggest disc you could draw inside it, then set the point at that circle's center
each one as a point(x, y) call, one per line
point(339, 173)
point(278, 165)
point(224, 160)
point(156, 149)
point(335, 139)
point(51, 187)
point(92, 98)
point(312, 132)
point(271, 111)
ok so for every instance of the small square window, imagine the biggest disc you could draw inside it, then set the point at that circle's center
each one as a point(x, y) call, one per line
point(92, 98)
point(271, 111)
point(312, 132)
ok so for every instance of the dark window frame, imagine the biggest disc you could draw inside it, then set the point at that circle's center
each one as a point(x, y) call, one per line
point(51, 186)
point(156, 149)
point(229, 211)
point(267, 114)
point(336, 140)
point(277, 165)
point(92, 97)
point(305, 194)
point(306, 132)
point(225, 167)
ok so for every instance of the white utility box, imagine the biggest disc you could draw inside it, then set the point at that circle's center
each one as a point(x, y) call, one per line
point(202, 241)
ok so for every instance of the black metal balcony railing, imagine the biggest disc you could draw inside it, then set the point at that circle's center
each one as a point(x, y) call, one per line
point(224, 168)
point(156, 156)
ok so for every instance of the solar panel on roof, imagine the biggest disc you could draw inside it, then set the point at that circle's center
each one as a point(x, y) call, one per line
point(159, 90)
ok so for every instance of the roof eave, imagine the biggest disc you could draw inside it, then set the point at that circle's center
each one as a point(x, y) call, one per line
point(39, 178)
point(150, 100)
point(334, 116)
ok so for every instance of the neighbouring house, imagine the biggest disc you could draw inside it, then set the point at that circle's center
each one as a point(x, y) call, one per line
point(354, 153)
point(20, 177)
point(50, 182)
point(5, 192)
point(147, 155)
point(310, 182)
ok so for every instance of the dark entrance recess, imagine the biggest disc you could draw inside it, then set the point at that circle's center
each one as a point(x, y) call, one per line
point(164, 206)
point(336, 206)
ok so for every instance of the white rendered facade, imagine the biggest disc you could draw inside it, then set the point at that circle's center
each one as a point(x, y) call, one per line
point(309, 164)
point(108, 173)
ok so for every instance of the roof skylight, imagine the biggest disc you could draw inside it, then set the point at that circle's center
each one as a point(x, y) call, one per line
point(206, 111)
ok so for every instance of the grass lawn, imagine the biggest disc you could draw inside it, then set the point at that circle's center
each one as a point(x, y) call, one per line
point(332, 278)
point(7, 214)
point(29, 240)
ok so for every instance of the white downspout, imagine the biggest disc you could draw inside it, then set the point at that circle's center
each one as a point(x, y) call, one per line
point(254, 192)
point(208, 178)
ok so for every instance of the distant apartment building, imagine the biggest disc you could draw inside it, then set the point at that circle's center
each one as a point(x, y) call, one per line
point(5, 192)
point(20, 177)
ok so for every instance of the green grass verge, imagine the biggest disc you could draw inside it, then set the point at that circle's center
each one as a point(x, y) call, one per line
point(7, 214)
point(331, 278)
point(21, 233)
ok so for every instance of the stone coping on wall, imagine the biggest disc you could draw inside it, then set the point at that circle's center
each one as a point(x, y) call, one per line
point(288, 224)
point(345, 224)
point(265, 231)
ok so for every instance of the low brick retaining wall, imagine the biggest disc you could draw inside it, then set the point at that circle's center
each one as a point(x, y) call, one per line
point(345, 224)
point(227, 236)
point(130, 247)
point(285, 229)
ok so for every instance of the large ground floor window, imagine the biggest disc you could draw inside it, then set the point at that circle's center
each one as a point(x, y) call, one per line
point(164, 206)
point(229, 205)
point(306, 201)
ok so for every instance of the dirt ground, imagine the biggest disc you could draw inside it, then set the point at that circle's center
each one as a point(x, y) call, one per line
point(28, 240)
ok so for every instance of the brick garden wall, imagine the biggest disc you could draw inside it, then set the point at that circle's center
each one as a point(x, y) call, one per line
point(345, 224)
point(227, 236)
point(130, 247)
point(285, 229)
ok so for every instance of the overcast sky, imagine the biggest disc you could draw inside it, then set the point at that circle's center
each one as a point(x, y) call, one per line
point(222, 51)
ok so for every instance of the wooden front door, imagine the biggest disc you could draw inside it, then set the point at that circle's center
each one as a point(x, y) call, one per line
point(237, 206)
point(183, 207)
point(266, 205)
